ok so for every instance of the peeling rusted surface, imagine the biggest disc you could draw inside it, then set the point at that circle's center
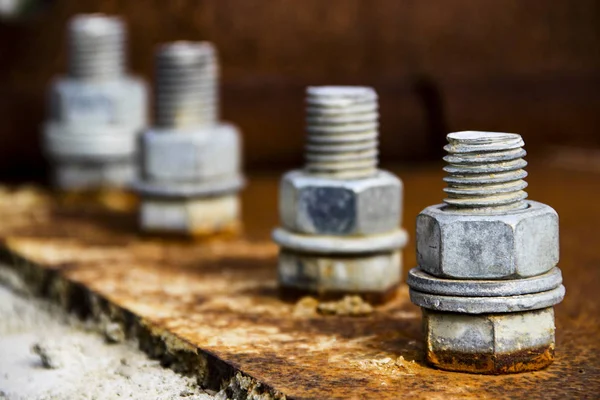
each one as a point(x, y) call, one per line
point(509, 363)
point(212, 310)
point(292, 294)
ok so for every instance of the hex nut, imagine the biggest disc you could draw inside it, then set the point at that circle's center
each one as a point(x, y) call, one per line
point(490, 343)
point(116, 102)
point(76, 175)
point(193, 216)
point(198, 155)
point(375, 274)
point(324, 206)
point(517, 244)
point(90, 143)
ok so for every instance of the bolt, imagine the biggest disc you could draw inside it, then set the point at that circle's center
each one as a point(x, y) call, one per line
point(487, 279)
point(341, 125)
point(340, 215)
point(96, 111)
point(186, 85)
point(96, 47)
point(191, 161)
point(485, 172)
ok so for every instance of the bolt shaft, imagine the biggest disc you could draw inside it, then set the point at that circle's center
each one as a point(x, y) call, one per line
point(186, 85)
point(96, 47)
point(485, 172)
point(342, 129)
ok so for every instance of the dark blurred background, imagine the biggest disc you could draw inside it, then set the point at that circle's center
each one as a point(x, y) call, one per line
point(530, 67)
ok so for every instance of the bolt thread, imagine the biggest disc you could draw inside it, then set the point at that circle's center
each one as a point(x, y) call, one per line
point(485, 172)
point(342, 129)
point(186, 85)
point(96, 47)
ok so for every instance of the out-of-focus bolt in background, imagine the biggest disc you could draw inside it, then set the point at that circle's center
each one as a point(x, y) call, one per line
point(97, 111)
point(190, 160)
point(340, 215)
point(487, 276)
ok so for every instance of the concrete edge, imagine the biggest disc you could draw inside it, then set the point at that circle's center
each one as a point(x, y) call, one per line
point(172, 351)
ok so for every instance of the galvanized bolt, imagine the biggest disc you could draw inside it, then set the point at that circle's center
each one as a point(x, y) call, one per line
point(97, 111)
point(96, 47)
point(487, 279)
point(186, 86)
point(190, 160)
point(340, 215)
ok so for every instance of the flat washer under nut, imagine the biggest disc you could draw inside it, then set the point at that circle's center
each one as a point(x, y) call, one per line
point(423, 282)
point(488, 305)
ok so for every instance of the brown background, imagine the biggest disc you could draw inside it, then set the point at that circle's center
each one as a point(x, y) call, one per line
point(530, 67)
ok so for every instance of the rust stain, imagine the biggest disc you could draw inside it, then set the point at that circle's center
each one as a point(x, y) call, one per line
point(212, 308)
point(495, 364)
point(223, 232)
point(112, 199)
point(293, 294)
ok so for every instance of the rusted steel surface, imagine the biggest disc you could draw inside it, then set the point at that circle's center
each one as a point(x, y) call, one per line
point(211, 309)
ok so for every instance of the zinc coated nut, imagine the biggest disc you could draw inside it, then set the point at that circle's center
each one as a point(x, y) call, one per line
point(191, 162)
point(515, 244)
point(340, 214)
point(201, 154)
point(321, 206)
point(490, 343)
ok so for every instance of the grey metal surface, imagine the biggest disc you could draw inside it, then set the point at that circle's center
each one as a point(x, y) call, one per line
point(319, 244)
point(84, 174)
point(421, 281)
point(96, 112)
point(186, 85)
point(192, 216)
point(341, 126)
point(487, 334)
point(96, 47)
point(183, 190)
point(89, 104)
point(369, 273)
point(514, 244)
point(487, 305)
point(101, 143)
point(198, 155)
point(324, 206)
point(485, 172)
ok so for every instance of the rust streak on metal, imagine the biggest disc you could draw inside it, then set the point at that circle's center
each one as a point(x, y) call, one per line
point(503, 363)
point(212, 309)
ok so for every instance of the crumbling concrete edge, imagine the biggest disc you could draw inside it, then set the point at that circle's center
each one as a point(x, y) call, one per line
point(211, 373)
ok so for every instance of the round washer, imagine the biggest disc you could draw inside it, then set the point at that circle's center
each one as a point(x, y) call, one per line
point(340, 244)
point(421, 281)
point(488, 305)
point(186, 190)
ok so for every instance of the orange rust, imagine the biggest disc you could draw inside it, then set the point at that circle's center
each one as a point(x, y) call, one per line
point(493, 363)
point(293, 294)
point(228, 231)
point(221, 297)
point(112, 199)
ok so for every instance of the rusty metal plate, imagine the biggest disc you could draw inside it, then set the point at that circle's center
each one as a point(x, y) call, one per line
point(211, 309)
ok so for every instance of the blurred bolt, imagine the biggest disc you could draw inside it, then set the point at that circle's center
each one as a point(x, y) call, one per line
point(190, 160)
point(340, 215)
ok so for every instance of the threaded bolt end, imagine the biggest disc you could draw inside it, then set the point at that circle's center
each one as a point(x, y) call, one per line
point(186, 85)
point(342, 129)
point(485, 172)
point(96, 47)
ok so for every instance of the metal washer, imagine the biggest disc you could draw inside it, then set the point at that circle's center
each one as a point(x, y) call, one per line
point(321, 244)
point(488, 305)
point(421, 281)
